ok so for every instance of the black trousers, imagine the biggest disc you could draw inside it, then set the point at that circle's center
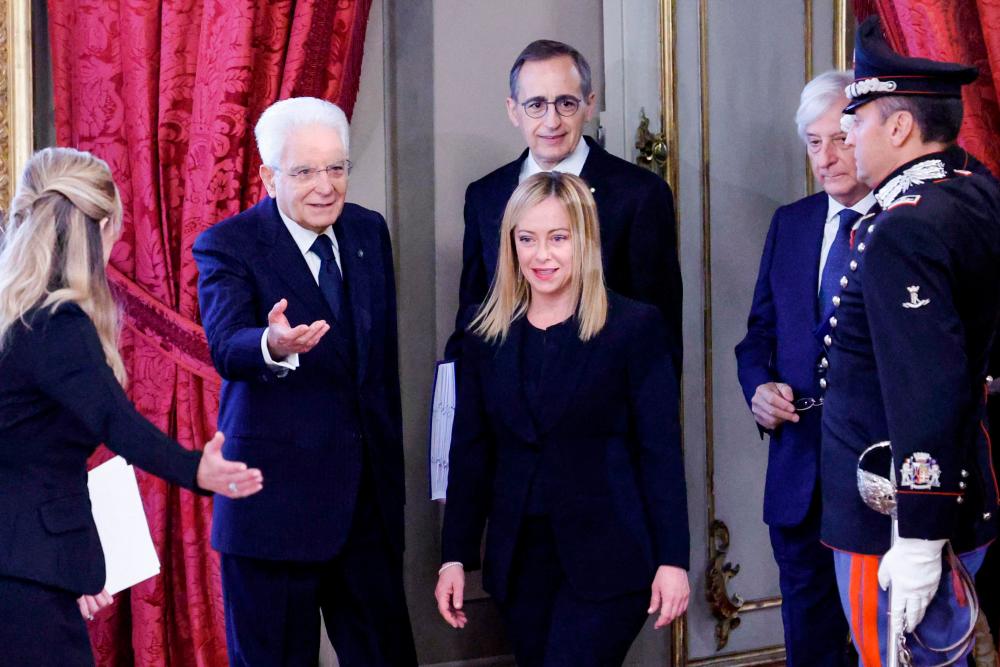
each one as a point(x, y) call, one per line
point(273, 607)
point(816, 632)
point(549, 625)
point(41, 626)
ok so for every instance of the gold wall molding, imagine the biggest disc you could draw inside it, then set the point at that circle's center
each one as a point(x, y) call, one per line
point(807, 53)
point(725, 606)
point(16, 137)
point(843, 56)
point(659, 152)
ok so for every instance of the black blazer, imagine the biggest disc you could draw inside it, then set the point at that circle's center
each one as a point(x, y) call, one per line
point(58, 401)
point(605, 454)
point(638, 238)
point(309, 430)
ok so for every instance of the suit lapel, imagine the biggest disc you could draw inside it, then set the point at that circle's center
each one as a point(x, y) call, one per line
point(356, 259)
point(287, 263)
point(507, 180)
point(560, 378)
point(593, 167)
point(509, 387)
point(813, 249)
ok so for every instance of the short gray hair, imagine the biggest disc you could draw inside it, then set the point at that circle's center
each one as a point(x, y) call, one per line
point(819, 95)
point(546, 49)
point(279, 119)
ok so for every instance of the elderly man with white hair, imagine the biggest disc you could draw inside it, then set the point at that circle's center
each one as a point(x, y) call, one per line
point(782, 370)
point(298, 302)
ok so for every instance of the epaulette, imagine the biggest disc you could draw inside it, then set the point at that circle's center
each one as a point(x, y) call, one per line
point(918, 174)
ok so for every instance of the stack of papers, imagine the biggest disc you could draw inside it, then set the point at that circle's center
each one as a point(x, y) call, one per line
point(442, 419)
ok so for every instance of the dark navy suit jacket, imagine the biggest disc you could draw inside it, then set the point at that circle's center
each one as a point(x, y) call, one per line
point(780, 346)
point(604, 452)
point(59, 399)
point(310, 430)
point(638, 238)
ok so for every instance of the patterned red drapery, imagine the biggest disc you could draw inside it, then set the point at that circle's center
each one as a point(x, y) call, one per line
point(168, 91)
point(965, 31)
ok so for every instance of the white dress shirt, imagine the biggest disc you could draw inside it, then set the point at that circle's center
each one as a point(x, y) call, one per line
point(833, 222)
point(304, 239)
point(571, 164)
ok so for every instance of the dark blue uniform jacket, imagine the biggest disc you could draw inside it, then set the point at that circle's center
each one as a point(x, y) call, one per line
point(909, 345)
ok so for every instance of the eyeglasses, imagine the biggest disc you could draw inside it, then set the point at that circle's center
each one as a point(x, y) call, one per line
point(803, 404)
point(307, 176)
point(537, 107)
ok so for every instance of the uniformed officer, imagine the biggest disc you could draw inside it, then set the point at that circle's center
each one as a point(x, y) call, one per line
point(908, 344)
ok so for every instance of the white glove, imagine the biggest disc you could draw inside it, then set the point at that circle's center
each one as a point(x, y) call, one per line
point(913, 567)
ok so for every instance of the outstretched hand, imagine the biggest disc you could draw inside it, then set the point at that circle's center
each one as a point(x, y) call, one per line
point(283, 339)
point(228, 478)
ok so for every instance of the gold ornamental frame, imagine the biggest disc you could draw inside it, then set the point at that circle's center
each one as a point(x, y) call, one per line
point(725, 606)
point(16, 132)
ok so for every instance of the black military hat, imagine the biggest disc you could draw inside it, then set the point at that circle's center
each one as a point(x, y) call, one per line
point(880, 71)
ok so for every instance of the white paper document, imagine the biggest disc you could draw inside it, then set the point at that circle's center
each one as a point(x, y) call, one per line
point(442, 419)
point(129, 556)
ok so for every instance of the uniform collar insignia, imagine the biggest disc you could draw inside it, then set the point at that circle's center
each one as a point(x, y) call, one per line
point(918, 174)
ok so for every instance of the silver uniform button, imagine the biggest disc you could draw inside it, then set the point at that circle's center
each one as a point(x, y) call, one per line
point(854, 265)
point(987, 516)
point(827, 340)
point(861, 247)
point(836, 301)
point(965, 473)
point(843, 282)
point(824, 362)
point(833, 322)
point(960, 500)
point(871, 228)
point(823, 383)
point(961, 485)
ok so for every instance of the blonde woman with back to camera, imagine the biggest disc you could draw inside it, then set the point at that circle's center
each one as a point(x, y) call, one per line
point(61, 395)
point(567, 441)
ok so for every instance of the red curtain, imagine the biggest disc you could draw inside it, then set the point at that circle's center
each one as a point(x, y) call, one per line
point(965, 31)
point(168, 91)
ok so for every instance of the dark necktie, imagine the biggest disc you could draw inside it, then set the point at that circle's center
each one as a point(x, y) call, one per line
point(836, 260)
point(331, 282)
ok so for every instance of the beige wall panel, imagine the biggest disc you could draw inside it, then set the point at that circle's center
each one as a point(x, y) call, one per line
point(475, 43)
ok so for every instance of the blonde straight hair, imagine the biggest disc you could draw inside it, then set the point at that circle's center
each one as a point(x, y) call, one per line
point(510, 294)
point(51, 245)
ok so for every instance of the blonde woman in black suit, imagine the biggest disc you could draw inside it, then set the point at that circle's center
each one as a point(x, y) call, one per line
point(567, 442)
point(61, 395)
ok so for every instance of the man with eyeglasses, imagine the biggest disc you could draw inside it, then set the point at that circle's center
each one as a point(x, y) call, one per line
point(782, 370)
point(551, 99)
point(298, 302)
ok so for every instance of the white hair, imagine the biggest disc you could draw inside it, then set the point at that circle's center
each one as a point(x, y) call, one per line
point(819, 95)
point(279, 119)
